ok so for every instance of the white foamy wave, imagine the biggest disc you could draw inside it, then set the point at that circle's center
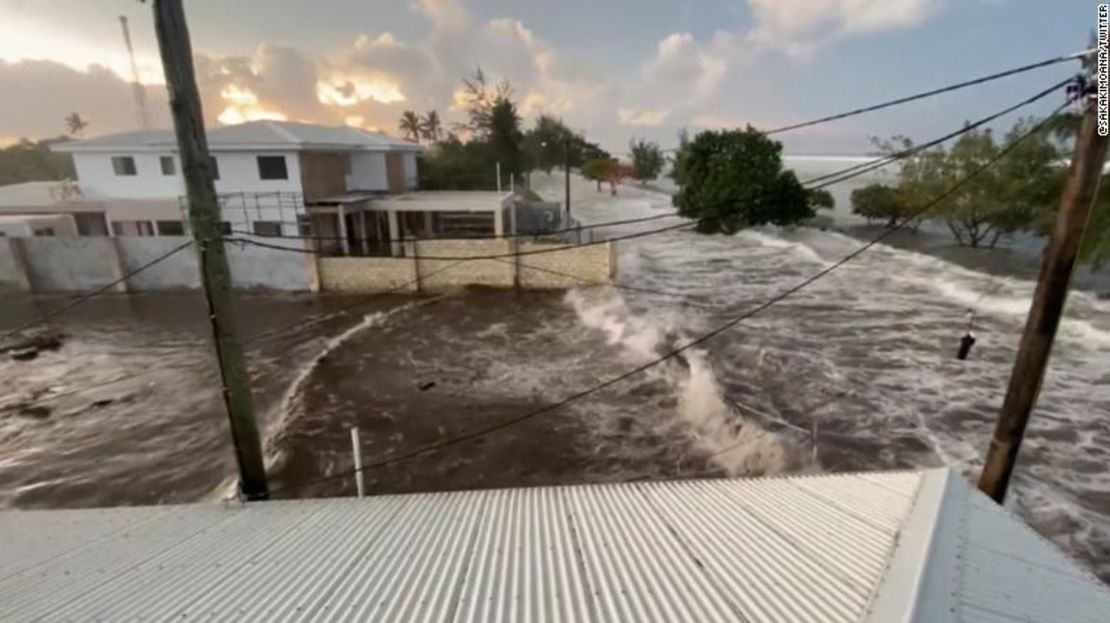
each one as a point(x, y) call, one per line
point(606, 311)
point(772, 241)
point(739, 446)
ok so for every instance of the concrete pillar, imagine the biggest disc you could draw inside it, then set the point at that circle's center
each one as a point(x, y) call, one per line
point(499, 221)
point(13, 268)
point(343, 231)
point(394, 233)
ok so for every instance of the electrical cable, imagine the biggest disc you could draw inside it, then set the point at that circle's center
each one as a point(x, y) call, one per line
point(448, 258)
point(866, 167)
point(485, 430)
point(554, 232)
point(931, 93)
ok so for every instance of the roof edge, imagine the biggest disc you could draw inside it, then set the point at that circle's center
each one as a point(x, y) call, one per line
point(897, 595)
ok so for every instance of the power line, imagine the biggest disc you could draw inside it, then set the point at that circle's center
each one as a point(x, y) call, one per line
point(91, 295)
point(848, 173)
point(554, 232)
point(495, 256)
point(433, 447)
point(931, 93)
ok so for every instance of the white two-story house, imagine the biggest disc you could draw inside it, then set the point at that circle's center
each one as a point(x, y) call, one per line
point(274, 178)
point(348, 190)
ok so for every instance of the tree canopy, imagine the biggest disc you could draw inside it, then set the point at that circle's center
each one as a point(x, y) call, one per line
point(732, 179)
point(878, 202)
point(821, 199)
point(29, 161)
point(647, 159)
point(409, 125)
point(1009, 196)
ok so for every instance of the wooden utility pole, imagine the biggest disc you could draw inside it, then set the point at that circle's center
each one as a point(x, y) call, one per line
point(204, 219)
point(1060, 255)
point(566, 171)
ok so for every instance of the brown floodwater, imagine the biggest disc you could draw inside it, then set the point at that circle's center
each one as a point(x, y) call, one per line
point(856, 372)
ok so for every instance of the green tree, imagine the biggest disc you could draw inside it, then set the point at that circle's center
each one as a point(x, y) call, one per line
point(75, 125)
point(821, 199)
point(597, 170)
point(679, 156)
point(878, 202)
point(1011, 195)
point(431, 126)
point(732, 179)
point(647, 160)
point(29, 161)
point(504, 137)
point(455, 165)
point(481, 98)
point(548, 141)
point(410, 126)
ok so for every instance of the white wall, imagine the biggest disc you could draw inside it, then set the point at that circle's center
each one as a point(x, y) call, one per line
point(99, 181)
point(411, 176)
point(62, 224)
point(367, 172)
point(238, 173)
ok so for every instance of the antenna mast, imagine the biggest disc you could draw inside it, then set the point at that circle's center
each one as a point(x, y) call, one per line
point(136, 87)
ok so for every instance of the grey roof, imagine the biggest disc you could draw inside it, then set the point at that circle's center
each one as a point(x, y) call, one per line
point(253, 135)
point(907, 546)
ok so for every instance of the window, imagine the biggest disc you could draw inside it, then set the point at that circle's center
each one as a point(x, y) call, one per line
point(270, 229)
point(272, 168)
point(167, 165)
point(133, 228)
point(225, 228)
point(170, 228)
point(44, 231)
point(215, 168)
point(123, 165)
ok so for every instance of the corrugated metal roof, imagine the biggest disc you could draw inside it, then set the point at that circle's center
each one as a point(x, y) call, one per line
point(266, 134)
point(890, 546)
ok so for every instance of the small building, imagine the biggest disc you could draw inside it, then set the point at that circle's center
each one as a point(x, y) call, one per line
point(377, 225)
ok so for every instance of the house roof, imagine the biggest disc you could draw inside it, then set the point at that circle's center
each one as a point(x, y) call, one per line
point(30, 195)
point(904, 546)
point(250, 136)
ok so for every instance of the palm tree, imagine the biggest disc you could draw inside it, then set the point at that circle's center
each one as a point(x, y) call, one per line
point(430, 126)
point(75, 124)
point(410, 126)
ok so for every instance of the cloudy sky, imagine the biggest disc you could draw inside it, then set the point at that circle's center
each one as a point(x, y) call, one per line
point(611, 68)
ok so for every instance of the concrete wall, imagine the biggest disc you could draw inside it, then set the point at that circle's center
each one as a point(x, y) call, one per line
point(75, 264)
point(179, 272)
point(71, 264)
point(367, 172)
point(13, 274)
point(366, 274)
point(99, 181)
point(436, 274)
point(238, 173)
point(272, 269)
point(412, 177)
point(593, 265)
